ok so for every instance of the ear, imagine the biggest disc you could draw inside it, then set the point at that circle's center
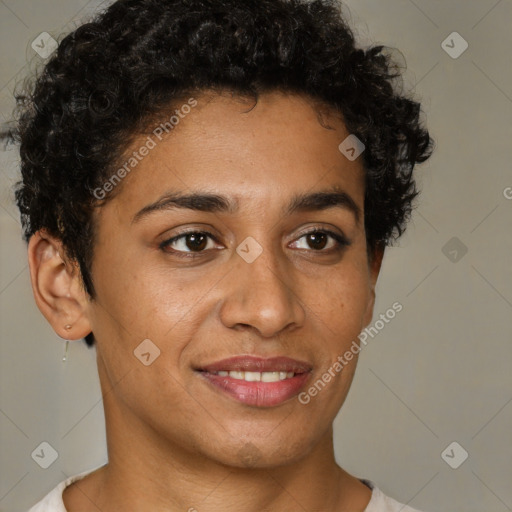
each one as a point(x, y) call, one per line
point(374, 265)
point(57, 287)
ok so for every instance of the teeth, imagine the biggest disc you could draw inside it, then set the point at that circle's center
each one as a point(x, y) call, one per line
point(270, 377)
point(257, 376)
point(252, 376)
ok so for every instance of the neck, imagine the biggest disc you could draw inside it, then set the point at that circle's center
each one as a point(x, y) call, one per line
point(160, 476)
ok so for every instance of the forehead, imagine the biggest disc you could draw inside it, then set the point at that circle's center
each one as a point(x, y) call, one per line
point(262, 152)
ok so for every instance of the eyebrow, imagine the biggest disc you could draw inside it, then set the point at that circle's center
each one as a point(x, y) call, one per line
point(215, 203)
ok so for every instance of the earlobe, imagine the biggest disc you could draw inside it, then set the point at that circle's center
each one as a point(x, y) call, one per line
point(57, 288)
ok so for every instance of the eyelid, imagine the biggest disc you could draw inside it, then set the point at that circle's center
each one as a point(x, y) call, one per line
point(167, 242)
point(341, 240)
point(323, 229)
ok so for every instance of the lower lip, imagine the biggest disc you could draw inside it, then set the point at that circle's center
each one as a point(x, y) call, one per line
point(260, 394)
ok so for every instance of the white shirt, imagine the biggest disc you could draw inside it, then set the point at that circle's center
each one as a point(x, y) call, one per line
point(379, 502)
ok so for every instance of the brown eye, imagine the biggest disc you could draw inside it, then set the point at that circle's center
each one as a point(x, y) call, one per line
point(319, 239)
point(192, 242)
point(196, 241)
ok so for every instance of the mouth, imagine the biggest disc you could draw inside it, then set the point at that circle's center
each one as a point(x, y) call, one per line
point(256, 376)
point(255, 381)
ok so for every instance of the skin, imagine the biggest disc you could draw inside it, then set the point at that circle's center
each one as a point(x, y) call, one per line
point(175, 442)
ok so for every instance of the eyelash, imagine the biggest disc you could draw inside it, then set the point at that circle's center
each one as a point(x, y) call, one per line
point(342, 242)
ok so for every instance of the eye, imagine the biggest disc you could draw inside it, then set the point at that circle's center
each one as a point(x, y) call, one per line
point(188, 243)
point(318, 239)
point(193, 243)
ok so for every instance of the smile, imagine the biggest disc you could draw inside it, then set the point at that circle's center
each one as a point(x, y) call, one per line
point(257, 381)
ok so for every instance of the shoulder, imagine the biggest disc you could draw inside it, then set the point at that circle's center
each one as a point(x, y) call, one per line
point(52, 502)
point(379, 502)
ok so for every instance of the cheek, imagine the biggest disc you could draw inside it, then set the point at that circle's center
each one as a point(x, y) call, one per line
point(137, 301)
point(343, 300)
point(339, 314)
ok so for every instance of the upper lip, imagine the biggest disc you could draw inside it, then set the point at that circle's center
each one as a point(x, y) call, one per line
point(257, 364)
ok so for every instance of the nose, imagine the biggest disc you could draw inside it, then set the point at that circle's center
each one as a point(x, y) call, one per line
point(261, 295)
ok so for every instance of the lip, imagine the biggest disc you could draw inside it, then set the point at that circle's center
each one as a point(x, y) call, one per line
point(259, 394)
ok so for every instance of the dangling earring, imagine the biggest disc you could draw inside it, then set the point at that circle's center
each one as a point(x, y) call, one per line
point(65, 356)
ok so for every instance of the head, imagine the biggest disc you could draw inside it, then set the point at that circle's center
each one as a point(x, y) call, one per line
point(223, 120)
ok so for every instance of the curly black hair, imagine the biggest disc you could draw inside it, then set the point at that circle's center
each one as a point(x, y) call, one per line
point(114, 75)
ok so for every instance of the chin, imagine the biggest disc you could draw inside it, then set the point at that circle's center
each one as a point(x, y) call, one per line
point(261, 454)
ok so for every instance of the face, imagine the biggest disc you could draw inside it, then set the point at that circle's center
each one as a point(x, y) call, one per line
point(251, 281)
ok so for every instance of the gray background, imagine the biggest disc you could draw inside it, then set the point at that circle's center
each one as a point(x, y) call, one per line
point(437, 373)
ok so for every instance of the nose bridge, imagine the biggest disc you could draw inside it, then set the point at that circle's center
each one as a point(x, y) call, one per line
point(261, 292)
